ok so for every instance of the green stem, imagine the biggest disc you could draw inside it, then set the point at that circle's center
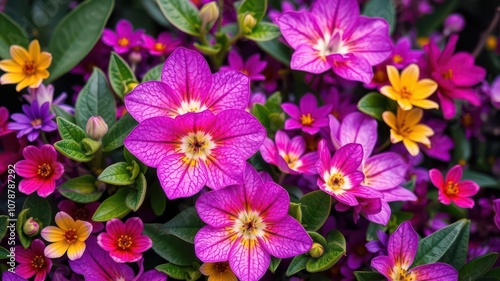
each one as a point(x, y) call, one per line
point(44, 137)
point(221, 10)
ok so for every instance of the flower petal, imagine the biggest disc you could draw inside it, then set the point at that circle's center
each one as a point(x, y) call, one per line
point(76, 250)
point(348, 158)
point(384, 171)
point(56, 250)
point(286, 238)
point(454, 174)
point(402, 246)
point(299, 28)
point(435, 272)
point(11, 66)
point(152, 99)
point(383, 265)
point(213, 244)
point(64, 221)
point(308, 59)
point(230, 90)
point(248, 260)
point(359, 128)
point(224, 167)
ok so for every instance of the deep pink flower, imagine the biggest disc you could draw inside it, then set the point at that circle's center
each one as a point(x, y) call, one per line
point(124, 241)
point(188, 85)
point(402, 249)
point(124, 39)
point(252, 67)
point(309, 117)
point(32, 261)
point(453, 189)
point(496, 207)
point(40, 170)
point(197, 149)
point(288, 155)
point(247, 223)
point(83, 212)
point(164, 45)
point(455, 75)
point(334, 35)
point(4, 121)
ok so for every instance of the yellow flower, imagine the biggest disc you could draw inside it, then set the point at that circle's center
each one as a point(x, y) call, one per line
point(407, 90)
point(218, 271)
point(69, 236)
point(405, 127)
point(26, 68)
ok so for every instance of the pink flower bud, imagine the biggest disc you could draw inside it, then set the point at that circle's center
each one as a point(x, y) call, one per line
point(31, 227)
point(96, 128)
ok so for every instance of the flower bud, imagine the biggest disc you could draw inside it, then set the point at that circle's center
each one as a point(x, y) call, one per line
point(316, 250)
point(96, 128)
point(209, 13)
point(131, 86)
point(248, 24)
point(31, 227)
point(135, 57)
point(454, 23)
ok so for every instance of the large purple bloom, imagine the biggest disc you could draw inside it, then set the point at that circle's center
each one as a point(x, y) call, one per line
point(34, 120)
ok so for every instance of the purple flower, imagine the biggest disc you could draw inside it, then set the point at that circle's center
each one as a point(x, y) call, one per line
point(402, 249)
point(341, 104)
point(125, 37)
point(45, 94)
point(380, 245)
point(403, 55)
point(441, 144)
point(334, 35)
point(309, 117)
point(34, 120)
point(164, 45)
point(496, 207)
point(252, 67)
point(453, 23)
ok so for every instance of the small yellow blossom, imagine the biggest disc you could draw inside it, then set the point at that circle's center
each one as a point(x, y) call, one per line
point(218, 271)
point(27, 68)
point(405, 127)
point(407, 90)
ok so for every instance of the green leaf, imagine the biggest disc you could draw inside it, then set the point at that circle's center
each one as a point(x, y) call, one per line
point(113, 207)
point(369, 276)
point(73, 150)
point(273, 103)
point(95, 99)
point(277, 50)
point(182, 14)
point(315, 207)
point(4, 253)
point(170, 247)
point(462, 150)
point(295, 211)
point(118, 132)
point(335, 236)
point(12, 34)
point(131, 159)
point(39, 209)
point(261, 113)
point(81, 190)
point(275, 262)
point(90, 146)
point(481, 179)
point(333, 253)
point(179, 272)
point(23, 238)
point(153, 74)
point(120, 75)
point(456, 255)
point(76, 34)
point(477, 267)
point(429, 23)
point(135, 198)
point(434, 246)
point(494, 273)
point(257, 8)
point(382, 9)
point(158, 199)
point(3, 226)
point(117, 174)
point(70, 131)
point(374, 104)
point(264, 31)
point(298, 263)
point(208, 50)
point(63, 114)
point(185, 225)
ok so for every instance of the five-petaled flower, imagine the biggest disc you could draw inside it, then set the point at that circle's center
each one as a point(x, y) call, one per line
point(402, 249)
point(218, 271)
point(32, 261)
point(35, 119)
point(125, 37)
point(452, 188)
point(308, 117)
point(246, 224)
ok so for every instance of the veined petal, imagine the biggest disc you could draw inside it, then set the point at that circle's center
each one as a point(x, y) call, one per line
point(435, 272)
point(214, 244)
point(83, 229)
point(220, 208)
point(249, 260)
point(340, 14)
point(76, 250)
point(381, 217)
point(230, 90)
point(52, 234)
point(359, 128)
point(398, 193)
point(152, 99)
point(30, 185)
point(180, 176)
point(299, 28)
point(323, 164)
point(64, 221)
point(286, 238)
point(268, 151)
point(424, 88)
point(308, 59)
point(27, 168)
point(282, 141)
point(383, 265)
point(224, 167)
point(348, 158)
point(384, 171)
point(344, 197)
point(56, 250)
point(354, 67)
point(402, 246)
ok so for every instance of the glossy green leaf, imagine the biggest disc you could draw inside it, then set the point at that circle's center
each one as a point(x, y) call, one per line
point(456, 255)
point(4, 253)
point(63, 114)
point(333, 253)
point(73, 150)
point(493, 274)
point(335, 236)
point(158, 199)
point(374, 104)
point(179, 272)
point(113, 207)
point(76, 34)
point(70, 131)
point(185, 225)
point(481, 179)
point(130, 158)
point(117, 174)
point(315, 207)
point(382, 9)
point(369, 276)
point(277, 50)
point(477, 267)
point(295, 211)
point(120, 75)
point(81, 190)
point(275, 262)
point(264, 31)
point(39, 209)
point(169, 247)
point(154, 74)
point(183, 14)
point(3, 226)
point(12, 34)
point(257, 8)
point(298, 263)
point(23, 238)
point(136, 196)
point(118, 132)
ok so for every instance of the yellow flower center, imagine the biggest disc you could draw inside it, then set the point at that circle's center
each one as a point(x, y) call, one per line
point(37, 122)
point(123, 42)
point(70, 235)
point(306, 119)
point(197, 146)
point(447, 74)
point(403, 275)
point(37, 262)
point(250, 225)
point(491, 43)
point(451, 188)
point(397, 59)
point(405, 93)
point(44, 170)
point(291, 159)
point(404, 130)
point(159, 47)
point(124, 242)
point(336, 182)
point(221, 267)
point(29, 67)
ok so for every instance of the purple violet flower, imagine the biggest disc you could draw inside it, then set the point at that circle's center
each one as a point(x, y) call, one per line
point(252, 67)
point(124, 39)
point(308, 117)
point(34, 120)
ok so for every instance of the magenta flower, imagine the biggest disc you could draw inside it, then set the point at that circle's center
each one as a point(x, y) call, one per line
point(339, 175)
point(334, 35)
point(455, 75)
point(452, 189)
point(164, 45)
point(309, 117)
point(251, 68)
point(188, 85)
point(403, 55)
point(288, 155)
point(40, 170)
point(35, 119)
point(82, 212)
point(4, 121)
point(32, 261)
point(402, 249)
point(124, 39)
point(341, 104)
point(247, 223)
point(197, 149)
point(124, 241)
point(496, 207)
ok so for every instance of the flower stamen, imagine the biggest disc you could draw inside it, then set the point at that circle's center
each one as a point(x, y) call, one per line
point(44, 170)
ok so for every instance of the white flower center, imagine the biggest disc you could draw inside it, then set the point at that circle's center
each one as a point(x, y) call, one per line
point(331, 45)
point(336, 182)
point(191, 106)
point(197, 146)
point(250, 225)
point(291, 159)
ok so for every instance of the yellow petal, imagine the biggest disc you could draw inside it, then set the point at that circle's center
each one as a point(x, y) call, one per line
point(208, 268)
point(393, 75)
point(390, 119)
point(28, 81)
point(65, 221)
point(411, 146)
point(395, 137)
point(83, 230)
point(44, 61)
point(414, 116)
point(405, 104)
point(43, 74)
point(53, 234)
point(56, 250)
point(19, 54)
point(12, 78)
point(422, 130)
point(409, 77)
point(425, 104)
point(34, 50)
point(76, 250)
point(10, 66)
point(424, 88)
point(389, 92)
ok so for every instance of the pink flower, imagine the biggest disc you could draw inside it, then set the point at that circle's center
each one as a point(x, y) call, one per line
point(403, 55)
point(309, 117)
point(32, 261)
point(82, 212)
point(164, 45)
point(247, 223)
point(402, 249)
point(452, 189)
point(496, 207)
point(455, 75)
point(40, 170)
point(124, 241)
point(4, 121)
point(188, 85)
point(125, 37)
point(334, 35)
point(251, 68)
point(197, 149)
point(288, 155)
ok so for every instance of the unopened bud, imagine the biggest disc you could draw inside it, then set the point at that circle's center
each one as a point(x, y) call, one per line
point(96, 128)
point(131, 86)
point(31, 227)
point(248, 24)
point(454, 23)
point(135, 57)
point(209, 13)
point(316, 250)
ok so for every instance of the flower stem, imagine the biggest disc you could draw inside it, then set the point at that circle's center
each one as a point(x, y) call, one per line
point(484, 36)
